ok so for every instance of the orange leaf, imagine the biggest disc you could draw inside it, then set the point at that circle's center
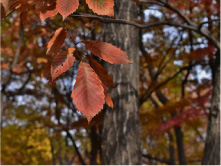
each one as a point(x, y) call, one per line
point(101, 72)
point(107, 52)
point(66, 7)
point(108, 99)
point(56, 41)
point(48, 13)
point(62, 62)
point(102, 7)
point(88, 93)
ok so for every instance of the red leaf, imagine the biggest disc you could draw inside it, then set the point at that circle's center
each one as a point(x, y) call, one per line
point(105, 78)
point(56, 41)
point(66, 7)
point(108, 99)
point(47, 13)
point(102, 7)
point(62, 62)
point(107, 52)
point(101, 72)
point(88, 93)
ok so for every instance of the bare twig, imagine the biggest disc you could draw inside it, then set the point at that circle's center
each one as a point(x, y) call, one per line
point(76, 148)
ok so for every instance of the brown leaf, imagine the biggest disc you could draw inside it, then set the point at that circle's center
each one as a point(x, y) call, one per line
point(47, 13)
point(47, 75)
point(56, 41)
point(4, 8)
point(62, 62)
point(101, 72)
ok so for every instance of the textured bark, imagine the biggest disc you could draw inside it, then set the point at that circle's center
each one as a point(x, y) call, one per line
point(121, 141)
point(212, 148)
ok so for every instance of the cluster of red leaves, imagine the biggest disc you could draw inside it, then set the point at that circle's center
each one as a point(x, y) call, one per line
point(198, 110)
point(201, 54)
point(49, 8)
point(185, 116)
point(92, 82)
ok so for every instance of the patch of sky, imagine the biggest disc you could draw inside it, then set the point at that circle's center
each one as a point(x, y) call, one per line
point(153, 11)
point(178, 63)
point(202, 74)
point(147, 36)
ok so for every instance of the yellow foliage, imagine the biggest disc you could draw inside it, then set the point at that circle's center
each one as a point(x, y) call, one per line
point(21, 145)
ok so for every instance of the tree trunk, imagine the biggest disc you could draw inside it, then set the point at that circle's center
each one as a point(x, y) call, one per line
point(121, 140)
point(212, 148)
point(180, 145)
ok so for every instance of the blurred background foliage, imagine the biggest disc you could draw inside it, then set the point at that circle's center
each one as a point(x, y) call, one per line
point(40, 124)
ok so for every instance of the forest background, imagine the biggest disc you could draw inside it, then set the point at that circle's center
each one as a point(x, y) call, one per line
point(166, 103)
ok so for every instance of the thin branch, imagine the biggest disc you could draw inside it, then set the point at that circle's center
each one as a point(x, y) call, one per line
point(207, 22)
point(133, 23)
point(190, 26)
point(76, 148)
point(177, 11)
point(150, 91)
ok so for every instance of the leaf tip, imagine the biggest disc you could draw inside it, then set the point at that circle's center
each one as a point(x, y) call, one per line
point(89, 119)
point(129, 62)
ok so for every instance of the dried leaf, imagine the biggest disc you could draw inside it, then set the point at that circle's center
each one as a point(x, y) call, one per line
point(56, 41)
point(101, 72)
point(48, 13)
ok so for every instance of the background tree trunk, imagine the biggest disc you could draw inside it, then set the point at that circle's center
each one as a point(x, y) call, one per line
point(212, 148)
point(121, 140)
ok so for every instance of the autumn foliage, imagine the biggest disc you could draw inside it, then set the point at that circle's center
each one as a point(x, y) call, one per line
point(54, 68)
point(90, 90)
